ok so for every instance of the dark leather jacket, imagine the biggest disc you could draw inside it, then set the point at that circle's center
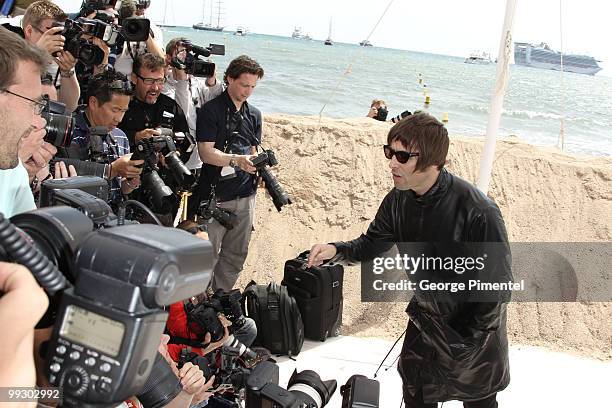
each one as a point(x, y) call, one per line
point(452, 350)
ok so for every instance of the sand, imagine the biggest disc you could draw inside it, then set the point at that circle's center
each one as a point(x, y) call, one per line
point(337, 176)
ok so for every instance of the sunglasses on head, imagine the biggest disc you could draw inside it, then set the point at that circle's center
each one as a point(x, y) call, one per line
point(401, 156)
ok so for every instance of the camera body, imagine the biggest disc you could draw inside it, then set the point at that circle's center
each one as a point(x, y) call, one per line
point(114, 283)
point(381, 114)
point(162, 196)
point(59, 125)
point(80, 48)
point(209, 210)
point(135, 29)
point(195, 66)
point(276, 191)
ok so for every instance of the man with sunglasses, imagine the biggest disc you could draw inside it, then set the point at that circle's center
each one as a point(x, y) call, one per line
point(456, 348)
point(107, 147)
point(21, 104)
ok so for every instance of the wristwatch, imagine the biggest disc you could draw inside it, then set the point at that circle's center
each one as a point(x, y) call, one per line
point(67, 74)
point(232, 162)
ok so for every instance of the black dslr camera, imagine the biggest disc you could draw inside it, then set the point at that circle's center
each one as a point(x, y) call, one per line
point(276, 191)
point(193, 64)
point(162, 196)
point(114, 283)
point(209, 210)
point(401, 116)
point(80, 48)
point(306, 389)
point(59, 125)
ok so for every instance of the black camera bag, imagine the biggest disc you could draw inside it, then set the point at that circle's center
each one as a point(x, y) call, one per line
point(277, 317)
point(318, 292)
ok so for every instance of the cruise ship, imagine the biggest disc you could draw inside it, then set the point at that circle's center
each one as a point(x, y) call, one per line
point(541, 56)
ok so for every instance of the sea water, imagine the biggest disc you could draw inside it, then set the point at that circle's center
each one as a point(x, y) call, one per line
point(306, 77)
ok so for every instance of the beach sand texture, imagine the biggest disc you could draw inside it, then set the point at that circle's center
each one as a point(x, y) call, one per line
point(337, 175)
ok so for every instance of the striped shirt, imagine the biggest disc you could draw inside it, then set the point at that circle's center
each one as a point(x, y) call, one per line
point(104, 149)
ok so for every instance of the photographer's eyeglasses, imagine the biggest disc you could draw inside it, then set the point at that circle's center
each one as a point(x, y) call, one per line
point(401, 156)
point(151, 81)
point(37, 106)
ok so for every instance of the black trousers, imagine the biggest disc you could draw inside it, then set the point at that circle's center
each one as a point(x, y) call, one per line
point(416, 401)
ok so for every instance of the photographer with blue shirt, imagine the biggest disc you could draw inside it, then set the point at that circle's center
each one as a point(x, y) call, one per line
point(21, 104)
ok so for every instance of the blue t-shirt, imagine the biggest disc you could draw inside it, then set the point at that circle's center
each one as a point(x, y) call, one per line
point(112, 147)
point(15, 194)
point(233, 132)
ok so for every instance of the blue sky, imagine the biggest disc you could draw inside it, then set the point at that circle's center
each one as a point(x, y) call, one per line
point(451, 27)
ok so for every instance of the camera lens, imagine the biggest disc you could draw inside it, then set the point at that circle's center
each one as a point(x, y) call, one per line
point(310, 389)
point(276, 191)
point(59, 129)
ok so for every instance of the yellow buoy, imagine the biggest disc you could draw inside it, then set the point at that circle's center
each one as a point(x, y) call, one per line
point(427, 100)
point(445, 117)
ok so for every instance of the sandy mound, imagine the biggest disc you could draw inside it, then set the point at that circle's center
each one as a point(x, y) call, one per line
point(337, 176)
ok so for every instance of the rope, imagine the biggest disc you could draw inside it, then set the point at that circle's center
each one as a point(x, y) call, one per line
point(561, 140)
point(350, 65)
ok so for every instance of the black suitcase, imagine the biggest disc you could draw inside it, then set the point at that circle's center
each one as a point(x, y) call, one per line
point(318, 293)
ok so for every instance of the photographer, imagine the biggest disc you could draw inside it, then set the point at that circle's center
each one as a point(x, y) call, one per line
point(38, 28)
point(189, 92)
point(379, 111)
point(228, 132)
point(20, 107)
point(107, 101)
point(132, 50)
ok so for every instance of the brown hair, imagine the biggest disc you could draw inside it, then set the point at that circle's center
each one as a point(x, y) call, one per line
point(427, 134)
point(150, 61)
point(14, 49)
point(42, 10)
point(173, 43)
point(242, 65)
point(378, 102)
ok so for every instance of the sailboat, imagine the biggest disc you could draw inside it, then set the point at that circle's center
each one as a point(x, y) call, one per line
point(163, 22)
point(209, 26)
point(329, 39)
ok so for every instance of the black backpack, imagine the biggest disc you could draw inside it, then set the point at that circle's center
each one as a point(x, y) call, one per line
point(277, 316)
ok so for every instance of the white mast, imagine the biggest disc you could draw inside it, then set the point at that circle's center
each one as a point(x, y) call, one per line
point(497, 99)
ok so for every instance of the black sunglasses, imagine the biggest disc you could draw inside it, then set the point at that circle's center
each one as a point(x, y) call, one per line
point(401, 156)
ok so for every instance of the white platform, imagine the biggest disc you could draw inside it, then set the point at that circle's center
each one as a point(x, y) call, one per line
point(539, 378)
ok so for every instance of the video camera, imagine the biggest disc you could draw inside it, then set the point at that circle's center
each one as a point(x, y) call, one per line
point(112, 287)
point(276, 191)
point(59, 125)
point(192, 64)
point(306, 389)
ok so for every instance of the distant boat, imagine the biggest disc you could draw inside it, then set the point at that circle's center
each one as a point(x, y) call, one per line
point(297, 34)
point(365, 43)
point(479, 58)
point(164, 22)
point(209, 26)
point(240, 31)
point(541, 56)
point(329, 39)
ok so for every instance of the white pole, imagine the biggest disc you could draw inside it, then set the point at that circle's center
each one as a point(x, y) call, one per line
point(497, 99)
